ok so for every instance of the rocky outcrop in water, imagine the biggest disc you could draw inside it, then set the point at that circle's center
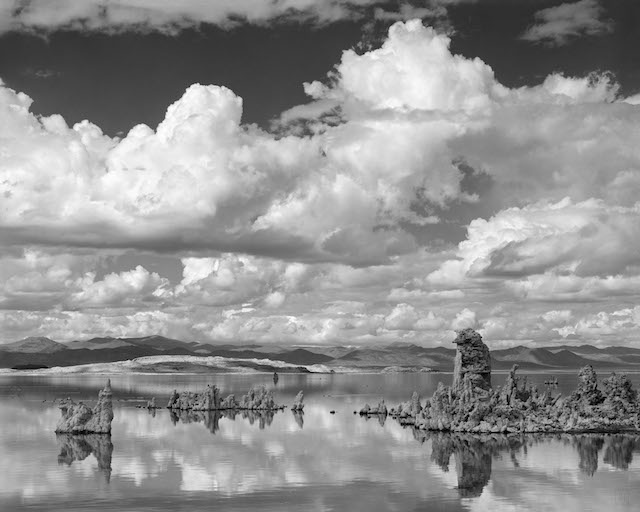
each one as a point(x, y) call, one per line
point(258, 398)
point(298, 402)
point(79, 447)
point(79, 418)
point(380, 409)
point(409, 409)
point(472, 405)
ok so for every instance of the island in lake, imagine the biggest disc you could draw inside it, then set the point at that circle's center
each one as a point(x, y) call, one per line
point(470, 404)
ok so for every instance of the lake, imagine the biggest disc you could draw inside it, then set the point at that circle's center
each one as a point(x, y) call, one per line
point(321, 461)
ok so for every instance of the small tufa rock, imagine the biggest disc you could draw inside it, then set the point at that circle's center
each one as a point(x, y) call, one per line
point(78, 418)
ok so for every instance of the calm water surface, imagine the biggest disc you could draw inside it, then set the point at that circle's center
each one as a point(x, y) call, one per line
point(317, 462)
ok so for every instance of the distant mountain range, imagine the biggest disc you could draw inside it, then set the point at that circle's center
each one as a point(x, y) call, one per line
point(40, 351)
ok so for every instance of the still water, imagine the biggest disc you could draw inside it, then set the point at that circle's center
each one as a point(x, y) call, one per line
point(317, 462)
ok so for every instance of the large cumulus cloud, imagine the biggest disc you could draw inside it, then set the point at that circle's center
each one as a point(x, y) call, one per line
point(341, 205)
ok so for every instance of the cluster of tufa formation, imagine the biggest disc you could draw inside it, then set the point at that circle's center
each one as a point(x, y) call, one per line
point(257, 399)
point(79, 418)
point(380, 409)
point(472, 405)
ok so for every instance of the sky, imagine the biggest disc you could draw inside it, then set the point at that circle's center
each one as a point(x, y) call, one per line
point(320, 172)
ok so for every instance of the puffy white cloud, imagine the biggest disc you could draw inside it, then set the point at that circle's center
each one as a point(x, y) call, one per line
point(465, 319)
point(71, 325)
point(568, 136)
point(389, 168)
point(247, 191)
point(494, 328)
point(588, 238)
point(236, 279)
point(274, 300)
point(616, 326)
point(413, 69)
point(329, 237)
point(557, 25)
point(36, 280)
point(405, 317)
point(123, 290)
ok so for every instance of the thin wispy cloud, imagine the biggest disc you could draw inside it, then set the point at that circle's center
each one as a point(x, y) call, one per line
point(560, 24)
point(172, 17)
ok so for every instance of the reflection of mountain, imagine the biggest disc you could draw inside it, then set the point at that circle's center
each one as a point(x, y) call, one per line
point(211, 419)
point(474, 453)
point(79, 447)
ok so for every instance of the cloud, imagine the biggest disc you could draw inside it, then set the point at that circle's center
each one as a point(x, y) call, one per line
point(589, 238)
point(408, 12)
point(605, 326)
point(560, 24)
point(125, 289)
point(389, 168)
point(465, 319)
point(557, 317)
point(554, 286)
point(172, 17)
point(332, 234)
point(72, 325)
point(233, 279)
point(413, 69)
point(404, 317)
point(248, 191)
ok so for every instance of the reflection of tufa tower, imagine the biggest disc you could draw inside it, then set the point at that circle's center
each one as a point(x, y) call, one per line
point(473, 456)
point(79, 447)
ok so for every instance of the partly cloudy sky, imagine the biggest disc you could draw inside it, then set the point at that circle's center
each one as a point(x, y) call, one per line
point(320, 171)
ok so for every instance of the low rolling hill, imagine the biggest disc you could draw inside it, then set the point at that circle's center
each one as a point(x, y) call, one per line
point(41, 351)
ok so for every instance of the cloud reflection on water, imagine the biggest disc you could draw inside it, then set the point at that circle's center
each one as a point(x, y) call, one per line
point(320, 462)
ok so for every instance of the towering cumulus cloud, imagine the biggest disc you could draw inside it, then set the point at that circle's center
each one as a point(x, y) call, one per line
point(337, 224)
